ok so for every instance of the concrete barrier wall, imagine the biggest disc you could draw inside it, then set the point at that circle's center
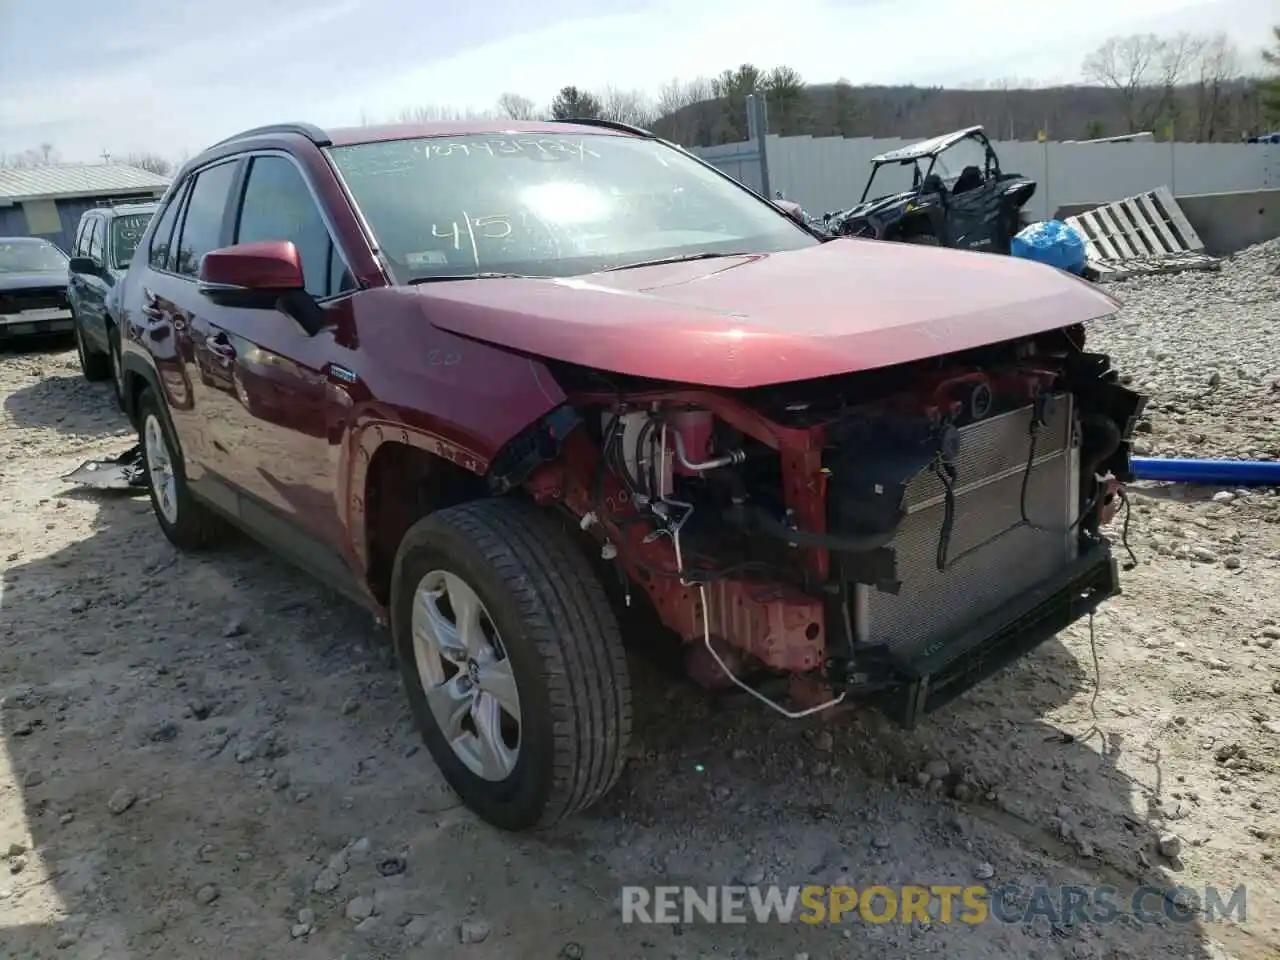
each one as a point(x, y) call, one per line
point(1226, 222)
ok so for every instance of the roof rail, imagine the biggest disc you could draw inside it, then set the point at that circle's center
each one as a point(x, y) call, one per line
point(150, 196)
point(610, 125)
point(308, 130)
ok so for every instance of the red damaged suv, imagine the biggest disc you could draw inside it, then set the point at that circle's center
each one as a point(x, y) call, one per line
point(502, 382)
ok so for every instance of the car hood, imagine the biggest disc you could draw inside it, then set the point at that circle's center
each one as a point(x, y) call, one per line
point(745, 321)
point(33, 281)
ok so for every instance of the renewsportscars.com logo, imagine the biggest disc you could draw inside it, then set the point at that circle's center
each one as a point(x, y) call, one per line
point(972, 904)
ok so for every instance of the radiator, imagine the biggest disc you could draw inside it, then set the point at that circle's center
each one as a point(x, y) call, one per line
point(992, 556)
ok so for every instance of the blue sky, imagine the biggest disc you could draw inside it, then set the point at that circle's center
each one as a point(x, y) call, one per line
point(171, 77)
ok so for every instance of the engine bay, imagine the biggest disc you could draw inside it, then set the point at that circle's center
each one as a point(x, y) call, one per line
point(843, 531)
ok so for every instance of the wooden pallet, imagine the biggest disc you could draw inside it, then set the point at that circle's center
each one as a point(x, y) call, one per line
point(1141, 235)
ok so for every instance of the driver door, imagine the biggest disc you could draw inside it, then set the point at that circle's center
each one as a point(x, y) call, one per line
point(284, 418)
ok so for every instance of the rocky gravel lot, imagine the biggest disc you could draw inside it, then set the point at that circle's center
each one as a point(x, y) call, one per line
point(209, 757)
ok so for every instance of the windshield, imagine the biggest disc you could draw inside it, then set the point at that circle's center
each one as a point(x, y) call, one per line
point(905, 176)
point(888, 179)
point(550, 206)
point(125, 233)
point(965, 153)
point(31, 257)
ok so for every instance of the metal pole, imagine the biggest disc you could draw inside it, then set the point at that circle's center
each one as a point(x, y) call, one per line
point(757, 130)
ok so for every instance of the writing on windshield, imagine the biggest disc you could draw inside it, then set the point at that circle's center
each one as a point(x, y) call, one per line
point(125, 233)
point(549, 205)
point(401, 157)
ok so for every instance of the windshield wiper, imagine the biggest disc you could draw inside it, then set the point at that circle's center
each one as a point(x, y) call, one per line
point(438, 278)
point(685, 259)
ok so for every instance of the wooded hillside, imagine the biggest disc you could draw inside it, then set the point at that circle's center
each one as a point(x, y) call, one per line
point(1185, 86)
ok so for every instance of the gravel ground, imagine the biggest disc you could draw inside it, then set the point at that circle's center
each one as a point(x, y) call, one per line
point(209, 757)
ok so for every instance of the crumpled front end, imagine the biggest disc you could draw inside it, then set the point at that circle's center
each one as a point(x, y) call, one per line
point(896, 535)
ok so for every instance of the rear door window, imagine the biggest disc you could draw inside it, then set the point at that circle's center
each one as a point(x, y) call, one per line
point(203, 227)
point(161, 238)
point(97, 241)
point(81, 246)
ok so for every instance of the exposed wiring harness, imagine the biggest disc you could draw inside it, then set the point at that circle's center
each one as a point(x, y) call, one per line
point(1096, 726)
point(611, 459)
point(695, 578)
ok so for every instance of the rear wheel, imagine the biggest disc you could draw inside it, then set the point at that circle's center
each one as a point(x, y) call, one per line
point(94, 364)
point(512, 661)
point(187, 523)
point(117, 363)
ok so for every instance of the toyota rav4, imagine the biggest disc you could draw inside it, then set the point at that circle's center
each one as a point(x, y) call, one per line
point(505, 383)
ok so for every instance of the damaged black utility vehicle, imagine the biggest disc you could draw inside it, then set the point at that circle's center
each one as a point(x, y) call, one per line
point(947, 192)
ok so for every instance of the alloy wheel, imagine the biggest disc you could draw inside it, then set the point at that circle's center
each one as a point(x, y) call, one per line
point(466, 676)
point(160, 469)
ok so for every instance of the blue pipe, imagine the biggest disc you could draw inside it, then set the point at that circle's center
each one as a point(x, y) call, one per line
point(1258, 473)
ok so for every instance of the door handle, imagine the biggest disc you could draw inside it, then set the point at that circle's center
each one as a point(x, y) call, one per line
point(221, 347)
point(151, 306)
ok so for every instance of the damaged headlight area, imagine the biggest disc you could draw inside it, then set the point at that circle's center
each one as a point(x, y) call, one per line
point(896, 535)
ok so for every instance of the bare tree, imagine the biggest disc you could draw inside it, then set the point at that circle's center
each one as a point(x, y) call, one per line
point(436, 113)
point(627, 106)
point(844, 109)
point(1271, 89)
point(1126, 66)
point(686, 111)
point(677, 94)
point(41, 156)
point(1216, 69)
point(151, 162)
point(1177, 62)
point(515, 107)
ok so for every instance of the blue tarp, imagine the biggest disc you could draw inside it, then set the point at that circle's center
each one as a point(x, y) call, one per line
point(1053, 242)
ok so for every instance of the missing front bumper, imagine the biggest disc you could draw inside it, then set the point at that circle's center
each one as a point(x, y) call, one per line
point(928, 683)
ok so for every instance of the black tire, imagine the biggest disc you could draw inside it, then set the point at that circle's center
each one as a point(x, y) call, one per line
point(562, 640)
point(116, 361)
point(95, 365)
point(193, 526)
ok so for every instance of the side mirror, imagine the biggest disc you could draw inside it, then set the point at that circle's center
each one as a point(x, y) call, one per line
point(251, 274)
point(264, 275)
point(793, 210)
point(82, 265)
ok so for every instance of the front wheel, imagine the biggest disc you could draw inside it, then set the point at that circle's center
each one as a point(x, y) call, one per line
point(512, 661)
